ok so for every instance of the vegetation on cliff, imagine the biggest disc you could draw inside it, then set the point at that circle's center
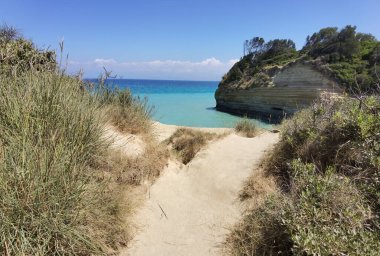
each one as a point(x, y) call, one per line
point(62, 187)
point(345, 55)
point(261, 62)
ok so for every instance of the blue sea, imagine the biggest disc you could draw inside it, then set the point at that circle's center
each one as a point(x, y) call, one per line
point(186, 103)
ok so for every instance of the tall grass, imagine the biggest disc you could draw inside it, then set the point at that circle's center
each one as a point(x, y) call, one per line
point(50, 138)
point(127, 113)
point(246, 127)
point(63, 190)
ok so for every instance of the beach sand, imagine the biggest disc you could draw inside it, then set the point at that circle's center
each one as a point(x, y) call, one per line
point(164, 131)
point(190, 209)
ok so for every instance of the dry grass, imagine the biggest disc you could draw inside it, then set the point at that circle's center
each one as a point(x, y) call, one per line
point(258, 187)
point(260, 231)
point(133, 170)
point(246, 128)
point(50, 132)
point(127, 113)
point(188, 142)
point(106, 221)
point(123, 175)
point(257, 232)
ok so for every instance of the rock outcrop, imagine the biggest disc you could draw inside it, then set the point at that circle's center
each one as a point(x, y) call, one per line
point(291, 88)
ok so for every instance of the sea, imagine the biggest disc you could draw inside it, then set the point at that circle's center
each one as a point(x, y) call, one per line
point(184, 103)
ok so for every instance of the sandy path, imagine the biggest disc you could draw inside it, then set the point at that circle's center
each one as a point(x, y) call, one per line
point(188, 210)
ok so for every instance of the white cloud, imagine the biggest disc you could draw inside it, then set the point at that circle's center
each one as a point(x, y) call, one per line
point(211, 62)
point(208, 69)
point(103, 62)
point(233, 61)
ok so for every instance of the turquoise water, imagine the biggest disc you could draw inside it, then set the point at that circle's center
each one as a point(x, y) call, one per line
point(187, 103)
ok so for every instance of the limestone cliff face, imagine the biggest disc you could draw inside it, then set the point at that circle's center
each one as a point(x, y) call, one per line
point(293, 87)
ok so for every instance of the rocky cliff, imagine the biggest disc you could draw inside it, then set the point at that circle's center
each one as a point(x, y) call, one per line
point(284, 91)
point(274, 79)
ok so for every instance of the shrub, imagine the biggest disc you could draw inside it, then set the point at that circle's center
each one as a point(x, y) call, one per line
point(18, 55)
point(323, 215)
point(327, 166)
point(188, 142)
point(261, 231)
point(328, 215)
point(8, 33)
point(246, 128)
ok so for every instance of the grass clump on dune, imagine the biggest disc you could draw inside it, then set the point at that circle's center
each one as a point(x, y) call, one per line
point(134, 170)
point(127, 113)
point(327, 168)
point(50, 137)
point(188, 142)
point(246, 128)
point(62, 188)
point(61, 191)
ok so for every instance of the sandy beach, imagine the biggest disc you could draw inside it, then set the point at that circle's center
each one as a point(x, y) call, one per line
point(164, 131)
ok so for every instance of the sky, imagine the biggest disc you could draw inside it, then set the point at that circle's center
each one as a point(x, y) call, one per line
point(175, 39)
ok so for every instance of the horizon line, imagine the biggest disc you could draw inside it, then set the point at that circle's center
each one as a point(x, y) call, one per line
point(151, 79)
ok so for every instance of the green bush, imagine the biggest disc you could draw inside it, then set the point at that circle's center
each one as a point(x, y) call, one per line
point(261, 231)
point(20, 55)
point(342, 132)
point(328, 215)
point(327, 164)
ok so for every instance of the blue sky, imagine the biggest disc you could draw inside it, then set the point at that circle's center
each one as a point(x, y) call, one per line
point(175, 39)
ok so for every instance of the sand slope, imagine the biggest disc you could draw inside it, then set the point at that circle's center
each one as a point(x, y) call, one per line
point(129, 144)
point(189, 209)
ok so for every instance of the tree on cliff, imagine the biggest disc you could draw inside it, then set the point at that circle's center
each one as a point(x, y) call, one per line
point(336, 44)
point(254, 45)
point(320, 40)
point(279, 46)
